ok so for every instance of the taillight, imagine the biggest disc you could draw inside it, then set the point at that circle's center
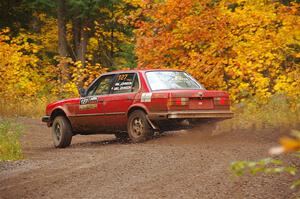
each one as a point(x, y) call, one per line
point(178, 101)
point(221, 101)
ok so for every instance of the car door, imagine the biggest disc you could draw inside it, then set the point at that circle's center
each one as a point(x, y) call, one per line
point(122, 95)
point(90, 112)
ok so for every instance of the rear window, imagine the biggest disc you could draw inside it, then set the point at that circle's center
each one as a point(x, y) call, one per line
point(174, 80)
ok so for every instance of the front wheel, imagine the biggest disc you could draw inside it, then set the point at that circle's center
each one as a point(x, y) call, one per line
point(138, 127)
point(61, 132)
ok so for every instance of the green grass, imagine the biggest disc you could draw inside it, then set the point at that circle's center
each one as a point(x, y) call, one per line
point(10, 147)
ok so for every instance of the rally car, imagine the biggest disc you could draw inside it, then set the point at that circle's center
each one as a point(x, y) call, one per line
point(134, 104)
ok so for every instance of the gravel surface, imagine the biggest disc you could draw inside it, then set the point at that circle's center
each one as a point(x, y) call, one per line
point(185, 164)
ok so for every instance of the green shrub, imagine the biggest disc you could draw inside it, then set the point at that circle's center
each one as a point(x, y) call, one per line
point(10, 147)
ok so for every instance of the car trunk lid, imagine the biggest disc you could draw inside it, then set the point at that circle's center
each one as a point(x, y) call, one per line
point(198, 100)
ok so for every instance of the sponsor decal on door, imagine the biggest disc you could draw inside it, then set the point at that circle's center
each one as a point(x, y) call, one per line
point(146, 97)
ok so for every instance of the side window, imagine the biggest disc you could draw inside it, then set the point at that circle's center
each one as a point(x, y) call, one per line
point(102, 86)
point(126, 83)
point(92, 88)
point(136, 85)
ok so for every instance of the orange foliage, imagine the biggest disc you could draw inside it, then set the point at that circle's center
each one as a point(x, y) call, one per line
point(246, 47)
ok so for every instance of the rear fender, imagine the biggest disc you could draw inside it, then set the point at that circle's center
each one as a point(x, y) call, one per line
point(137, 106)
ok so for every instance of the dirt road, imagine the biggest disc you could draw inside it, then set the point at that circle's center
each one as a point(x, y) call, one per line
point(187, 164)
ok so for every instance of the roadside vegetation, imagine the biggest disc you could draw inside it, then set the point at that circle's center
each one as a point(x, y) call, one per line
point(10, 146)
point(276, 114)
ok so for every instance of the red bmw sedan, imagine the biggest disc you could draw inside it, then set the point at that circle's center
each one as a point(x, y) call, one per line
point(134, 104)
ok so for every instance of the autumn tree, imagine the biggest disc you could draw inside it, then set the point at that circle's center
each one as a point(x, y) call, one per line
point(247, 47)
point(85, 35)
point(18, 67)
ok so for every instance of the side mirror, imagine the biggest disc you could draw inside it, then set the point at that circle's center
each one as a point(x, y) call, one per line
point(82, 92)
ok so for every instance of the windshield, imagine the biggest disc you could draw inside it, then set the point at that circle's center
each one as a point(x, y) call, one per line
point(165, 80)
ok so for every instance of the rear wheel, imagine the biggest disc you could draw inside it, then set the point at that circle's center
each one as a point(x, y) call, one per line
point(138, 127)
point(61, 132)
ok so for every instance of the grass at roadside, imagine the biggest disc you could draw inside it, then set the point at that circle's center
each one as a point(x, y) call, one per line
point(33, 108)
point(275, 114)
point(10, 147)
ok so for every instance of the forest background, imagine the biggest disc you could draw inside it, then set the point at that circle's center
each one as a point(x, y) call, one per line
point(251, 48)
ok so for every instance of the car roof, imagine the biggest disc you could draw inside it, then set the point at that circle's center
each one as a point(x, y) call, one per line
point(139, 70)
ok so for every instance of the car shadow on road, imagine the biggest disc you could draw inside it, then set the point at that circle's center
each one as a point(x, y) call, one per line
point(97, 143)
point(157, 139)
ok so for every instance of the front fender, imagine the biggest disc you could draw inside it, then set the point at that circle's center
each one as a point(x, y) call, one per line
point(62, 108)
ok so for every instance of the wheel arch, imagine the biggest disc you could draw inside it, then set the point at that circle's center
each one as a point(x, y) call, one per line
point(57, 112)
point(145, 110)
point(136, 107)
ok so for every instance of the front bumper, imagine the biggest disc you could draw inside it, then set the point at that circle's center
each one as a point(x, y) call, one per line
point(46, 119)
point(203, 114)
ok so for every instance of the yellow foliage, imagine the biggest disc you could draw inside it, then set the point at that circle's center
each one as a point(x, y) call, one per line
point(24, 75)
point(47, 35)
point(85, 74)
point(80, 75)
point(19, 69)
point(261, 47)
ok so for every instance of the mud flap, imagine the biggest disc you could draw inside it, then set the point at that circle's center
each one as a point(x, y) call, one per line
point(155, 128)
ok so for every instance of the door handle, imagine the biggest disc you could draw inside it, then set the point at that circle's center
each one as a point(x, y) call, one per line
point(129, 97)
point(100, 100)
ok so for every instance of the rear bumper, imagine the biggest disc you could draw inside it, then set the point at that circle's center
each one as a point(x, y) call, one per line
point(203, 114)
point(46, 119)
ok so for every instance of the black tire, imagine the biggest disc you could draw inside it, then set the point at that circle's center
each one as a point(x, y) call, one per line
point(61, 132)
point(138, 128)
point(122, 136)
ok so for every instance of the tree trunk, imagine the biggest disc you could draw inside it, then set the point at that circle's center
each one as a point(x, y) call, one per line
point(62, 38)
point(112, 37)
point(83, 45)
point(80, 39)
point(112, 47)
point(62, 31)
point(76, 29)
